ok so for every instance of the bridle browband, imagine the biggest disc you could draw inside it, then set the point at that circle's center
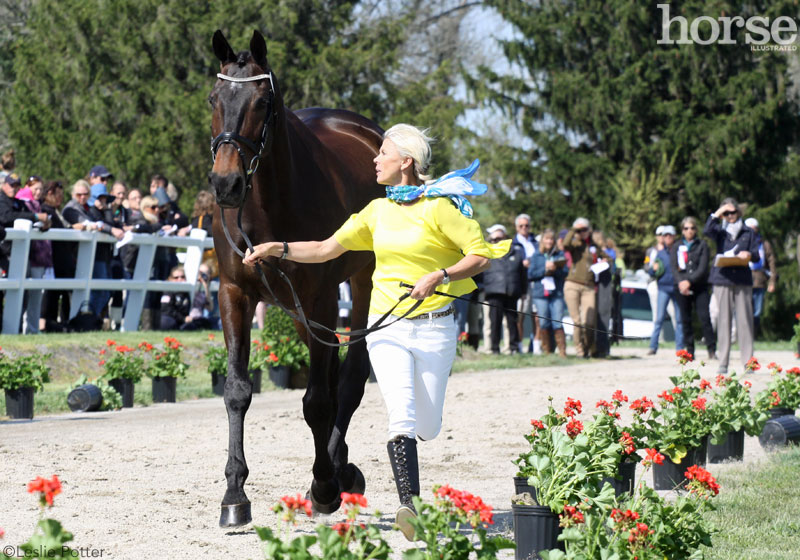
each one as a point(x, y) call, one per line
point(236, 140)
point(300, 316)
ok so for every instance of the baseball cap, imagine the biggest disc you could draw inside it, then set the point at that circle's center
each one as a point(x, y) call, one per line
point(751, 222)
point(100, 171)
point(12, 179)
point(667, 230)
point(660, 230)
point(497, 227)
point(581, 223)
point(98, 190)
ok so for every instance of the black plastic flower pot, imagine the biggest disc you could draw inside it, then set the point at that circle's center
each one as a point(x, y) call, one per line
point(521, 486)
point(19, 402)
point(218, 384)
point(780, 431)
point(625, 479)
point(535, 529)
point(86, 398)
point(255, 374)
point(279, 375)
point(164, 389)
point(777, 412)
point(732, 449)
point(669, 475)
point(124, 387)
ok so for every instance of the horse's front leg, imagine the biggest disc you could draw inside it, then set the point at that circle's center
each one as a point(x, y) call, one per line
point(319, 411)
point(236, 310)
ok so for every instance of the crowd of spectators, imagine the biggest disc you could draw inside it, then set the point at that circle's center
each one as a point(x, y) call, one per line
point(580, 269)
point(98, 203)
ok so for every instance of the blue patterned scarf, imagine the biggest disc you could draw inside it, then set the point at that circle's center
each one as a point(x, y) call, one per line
point(454, 185)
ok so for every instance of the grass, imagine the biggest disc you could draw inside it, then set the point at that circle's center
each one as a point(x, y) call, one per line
point(758, 510)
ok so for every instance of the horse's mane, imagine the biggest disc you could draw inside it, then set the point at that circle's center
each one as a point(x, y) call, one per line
point(243, 58)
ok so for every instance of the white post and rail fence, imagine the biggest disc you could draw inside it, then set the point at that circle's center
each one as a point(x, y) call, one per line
point(16, 282)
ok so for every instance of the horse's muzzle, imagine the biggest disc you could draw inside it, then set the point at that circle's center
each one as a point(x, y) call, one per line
point(228, 189)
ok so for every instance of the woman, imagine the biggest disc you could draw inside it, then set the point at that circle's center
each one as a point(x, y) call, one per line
point(41, 254)
point(56, 302)
point(418, 236)
point(732, 279)
point(547, 272)
point(202, 214)
point(689, 263)
point(132, 203)
point(579, 292)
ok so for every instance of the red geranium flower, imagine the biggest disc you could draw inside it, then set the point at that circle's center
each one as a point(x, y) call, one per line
point(666, 396)
point(701, 481)
point(110, 343)
point(101, 363)
point(653, 456)
point(641, 406)
point(684, 356)
point(473, 507)
point(776, 399)
point(354, 499)
point(574, 427)
point(774, 366)
point(537, 424)
point(752, 364)
point(619, 396)
point(704, 385)
point(747, 384)
point(793, 371)
point(46, 488)
point(699, 403)
point(572, 407)
point(291, 505)
point(677, 390)
point(628, 445)
point(570, 517)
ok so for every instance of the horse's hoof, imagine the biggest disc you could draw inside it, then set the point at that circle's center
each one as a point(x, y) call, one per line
point(352, 480)
point(323, 507)
point(235, 515)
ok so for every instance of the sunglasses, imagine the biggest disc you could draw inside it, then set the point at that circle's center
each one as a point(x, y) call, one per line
point(729, 213)
point(581, 230)
point(524, 226)
point(81, 194)
point(150, 206)
point(689, 228)
point(495, 239)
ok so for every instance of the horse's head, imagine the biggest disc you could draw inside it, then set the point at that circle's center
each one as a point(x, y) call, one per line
point(244, 105)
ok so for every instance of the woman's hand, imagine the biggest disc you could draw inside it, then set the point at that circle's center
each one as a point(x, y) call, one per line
point(426, 285)
point(270, 249)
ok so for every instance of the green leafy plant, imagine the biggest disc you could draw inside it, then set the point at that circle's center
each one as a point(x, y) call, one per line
point(112, 400)
point(49, 537)
point(216, 357)
point(679, 420)
point(281, 343)
point(732, 409)
point(796, 335)
point(782, 391)
point(168, 363)
point(567, 460)
point(643, 526)
point(441, 525)
point(346, 540)
point(24, 371)
point(121, 361)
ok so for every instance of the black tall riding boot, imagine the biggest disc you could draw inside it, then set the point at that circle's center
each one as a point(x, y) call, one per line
point(405, 466)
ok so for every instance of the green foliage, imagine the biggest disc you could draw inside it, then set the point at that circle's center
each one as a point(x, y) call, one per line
point(217, 359)
point(48, 541)
point(24, 371)
point(782, 391)
point(169, 362)
point(121, 361)
point(732, 409)
point(596, 98)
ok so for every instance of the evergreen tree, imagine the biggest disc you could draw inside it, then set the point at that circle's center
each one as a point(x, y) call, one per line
point(598, 98)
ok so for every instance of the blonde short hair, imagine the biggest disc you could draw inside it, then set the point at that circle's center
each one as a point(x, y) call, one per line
point(412, 142)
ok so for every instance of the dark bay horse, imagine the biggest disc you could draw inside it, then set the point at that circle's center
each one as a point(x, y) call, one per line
point(299, 175)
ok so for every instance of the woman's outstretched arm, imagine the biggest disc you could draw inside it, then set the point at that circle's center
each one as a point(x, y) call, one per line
point(299, 251)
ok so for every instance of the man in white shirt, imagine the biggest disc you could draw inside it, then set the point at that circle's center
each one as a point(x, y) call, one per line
point(527, 240)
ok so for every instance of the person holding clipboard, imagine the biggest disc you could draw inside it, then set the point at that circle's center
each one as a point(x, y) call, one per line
point(732, 279)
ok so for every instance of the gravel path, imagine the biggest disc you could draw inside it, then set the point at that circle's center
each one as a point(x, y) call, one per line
point(147, 482)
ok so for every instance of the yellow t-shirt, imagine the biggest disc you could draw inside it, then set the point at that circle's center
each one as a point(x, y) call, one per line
point(410, 241)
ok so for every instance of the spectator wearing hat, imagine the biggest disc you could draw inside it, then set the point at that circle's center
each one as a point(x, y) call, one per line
point(732, 279)
point(101, 214)
point(689, 262)
point(765, 273)
point(12, 208)
point(579, 286)
point(661, 270)
point(503, 283)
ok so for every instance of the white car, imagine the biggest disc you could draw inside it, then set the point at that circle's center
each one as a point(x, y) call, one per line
point(637, 315)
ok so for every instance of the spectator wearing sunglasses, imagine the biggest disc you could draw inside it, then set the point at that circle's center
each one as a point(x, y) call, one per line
point(732, 279)
point(175, 306)
point(689, 262)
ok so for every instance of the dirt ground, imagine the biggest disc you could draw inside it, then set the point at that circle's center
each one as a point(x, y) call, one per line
point(147, 482)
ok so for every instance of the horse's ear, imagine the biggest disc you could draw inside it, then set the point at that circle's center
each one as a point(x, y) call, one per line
point(222, 48)
point(258, 49)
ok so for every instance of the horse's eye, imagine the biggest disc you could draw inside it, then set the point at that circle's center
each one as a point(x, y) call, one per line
point(261, 103)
